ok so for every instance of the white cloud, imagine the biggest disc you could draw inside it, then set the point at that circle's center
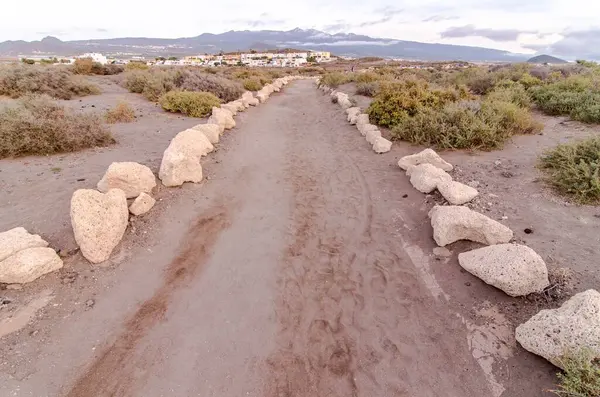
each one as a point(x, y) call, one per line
point(415, 20)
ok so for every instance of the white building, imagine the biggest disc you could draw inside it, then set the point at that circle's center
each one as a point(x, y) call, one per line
point(96, 57)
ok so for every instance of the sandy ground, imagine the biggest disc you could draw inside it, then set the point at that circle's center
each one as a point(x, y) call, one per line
point(302, 266)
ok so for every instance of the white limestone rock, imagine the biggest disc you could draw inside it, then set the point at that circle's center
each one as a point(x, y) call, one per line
point(457, 193)
point(18, 239)
point(142, 204)
point(426, 177)
point(181, 160)
point(515, 269)
point(381, 145)
point(573, 328)
point(99, 221)
point(427, 156)
point(453, 223)
point(130, 177)
point(28, 265)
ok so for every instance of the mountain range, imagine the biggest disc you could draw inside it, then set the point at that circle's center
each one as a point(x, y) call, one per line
point(341, 44)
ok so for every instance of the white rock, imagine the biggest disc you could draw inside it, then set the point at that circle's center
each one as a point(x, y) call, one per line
point(457, 193)
point(353, 110)
point(231, 107)
point(142, 204)
point(352, 118)
point(29, 264)
point(515, 269)
point(426, 177)
point(453, 223)
point(248, 99)
point(262, 97)
point(253, 102)
point(427, 156)
point(239, 104)
point(381, 145)
point(362, 119)
point(211, 131)
point(573, 329)
point(372, 135)
point(364, 128)
point(18, 239)
point(181, 160)
point(223, 117)
point(130, 177)
point(99, 221)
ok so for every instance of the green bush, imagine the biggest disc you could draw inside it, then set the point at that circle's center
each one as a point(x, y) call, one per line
point(193, 104)
point(252, 84)
point(55, 81)
point(398, 100)
point(366, 77)
point(36, 125)
point(513, 93)
point(574, 169)
point(466, 125)
point(577, 96)
point(581, 376)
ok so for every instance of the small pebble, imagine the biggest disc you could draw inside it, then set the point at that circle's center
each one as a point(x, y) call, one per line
point(404, 195)
point(90, 303)
point(468, 284)
point(528, 231)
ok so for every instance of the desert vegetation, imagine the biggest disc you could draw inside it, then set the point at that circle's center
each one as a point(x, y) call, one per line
point(474, 107)
point(37, 125)
point(56, 81)
point(87, 66)
point(581, 376)
point(154, 83)
point(190, 103)
point(574, 170)
point(121, 113)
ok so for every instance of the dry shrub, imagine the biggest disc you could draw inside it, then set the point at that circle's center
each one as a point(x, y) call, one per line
point(367, 89)
point(55, 81)
point(154, 83)
point(36, 125)
point(574, 170)
point(122, 113)
point(576, 96)
point(87, 66)
point(222, 87)
point(334, 79)
point(83, 66)
point(193, 104)
point(508, 91)
point(134, 65)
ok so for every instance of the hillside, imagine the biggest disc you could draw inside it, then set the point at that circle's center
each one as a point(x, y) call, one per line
point(546, 59)
point(343, 44)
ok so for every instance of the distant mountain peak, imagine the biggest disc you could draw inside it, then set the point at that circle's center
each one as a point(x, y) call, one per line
point(51, 40)
point(543, 58)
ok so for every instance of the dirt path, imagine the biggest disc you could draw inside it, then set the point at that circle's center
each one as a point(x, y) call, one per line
point(303, 267)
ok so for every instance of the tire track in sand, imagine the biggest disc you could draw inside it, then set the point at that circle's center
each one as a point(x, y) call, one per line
point(114, 372)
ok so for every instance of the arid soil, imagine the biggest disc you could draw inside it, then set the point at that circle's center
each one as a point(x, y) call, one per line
point(302, 266)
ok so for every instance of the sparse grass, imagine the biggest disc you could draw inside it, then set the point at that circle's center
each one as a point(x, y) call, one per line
point(36, 125)
point(334, 79)
point(574, 170)
point(193, 104)
point(55, 81)
point(581, 376)
point(122, 113)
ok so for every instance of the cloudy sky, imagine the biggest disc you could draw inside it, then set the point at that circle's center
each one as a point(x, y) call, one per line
point(569, 28)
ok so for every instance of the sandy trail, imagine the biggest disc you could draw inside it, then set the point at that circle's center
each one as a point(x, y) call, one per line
point(299, 270)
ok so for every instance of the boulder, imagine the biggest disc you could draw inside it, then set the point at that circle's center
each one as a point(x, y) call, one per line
point(427, 156)
point(142, 204)
point(29, 264)
point(353, 110)
point(181, 160)
point(18, 239)
point(231, 107)
point(222, 117)
point(352, 118)
point(130, 177)
point(262, 97)
point(453, 223)
point(573, 328)
point(381, 145)
point(345, 103)
point(457, 193)
point(372, 135)
point(211, 131)
point(248, 99)
point(426, 177)
point(362, 119)
point(515, 269)
point(99, 221)
point(364, 128)
point(239, 104)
